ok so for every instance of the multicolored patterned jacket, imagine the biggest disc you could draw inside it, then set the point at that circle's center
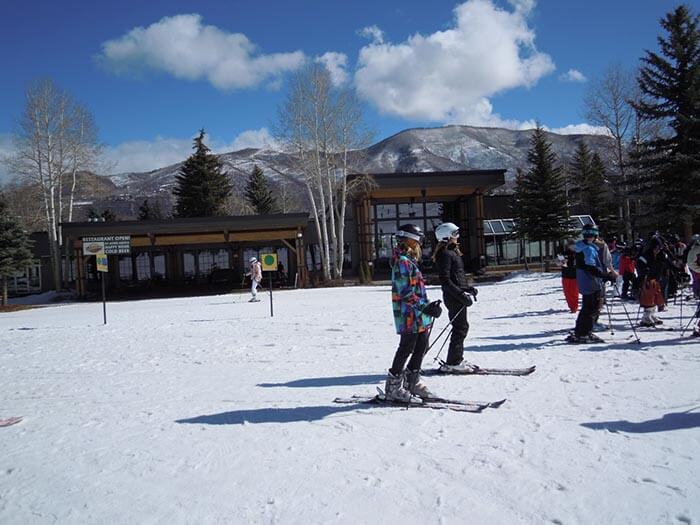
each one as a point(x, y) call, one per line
point(408, 295)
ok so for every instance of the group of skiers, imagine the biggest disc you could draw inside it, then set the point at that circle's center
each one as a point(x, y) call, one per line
point(651, 271)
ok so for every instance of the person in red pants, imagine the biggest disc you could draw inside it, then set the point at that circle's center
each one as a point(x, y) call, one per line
point(568, 275)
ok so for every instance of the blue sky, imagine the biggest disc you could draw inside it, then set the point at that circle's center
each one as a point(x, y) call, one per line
point(417, 63)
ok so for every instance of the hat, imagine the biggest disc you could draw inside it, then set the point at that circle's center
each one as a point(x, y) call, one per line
point(252, 260)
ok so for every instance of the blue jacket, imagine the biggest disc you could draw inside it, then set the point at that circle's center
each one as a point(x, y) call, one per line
point(589, 269)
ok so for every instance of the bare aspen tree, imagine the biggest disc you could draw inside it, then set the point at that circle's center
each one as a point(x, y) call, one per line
point(321, 125)
point(607, 104)
point(55, 139)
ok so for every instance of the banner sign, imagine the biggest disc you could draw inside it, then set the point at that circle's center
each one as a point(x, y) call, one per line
point(107, 244)
point(269, 262)
point(101, 262)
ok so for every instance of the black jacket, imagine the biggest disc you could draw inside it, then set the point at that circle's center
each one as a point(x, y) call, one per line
point(451, 271)
point(568, 271)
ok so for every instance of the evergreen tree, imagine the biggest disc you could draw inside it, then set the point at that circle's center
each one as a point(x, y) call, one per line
point(15, 248)
point(540, 197)
point(201, 186)
point(590, 175)
point(258, 193)
point(148, 212)
point(106, 216)
point(668, 166)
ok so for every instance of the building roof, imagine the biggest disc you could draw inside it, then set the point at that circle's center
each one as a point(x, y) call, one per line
point(232, 223)
point(434, 183)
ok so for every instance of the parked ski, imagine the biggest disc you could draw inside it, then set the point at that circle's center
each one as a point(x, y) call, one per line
point(482, 372)
point(10, 421)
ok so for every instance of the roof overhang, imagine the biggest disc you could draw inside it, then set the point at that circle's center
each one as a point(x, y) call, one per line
point(434, 184)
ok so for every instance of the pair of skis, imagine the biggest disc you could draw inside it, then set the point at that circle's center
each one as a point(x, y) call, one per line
point(441, 403)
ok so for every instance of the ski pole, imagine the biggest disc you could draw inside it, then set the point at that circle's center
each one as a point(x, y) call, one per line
point(692, 318)
point(608, 307)
point(442, 346)
point(449, 324)
point(634, 331)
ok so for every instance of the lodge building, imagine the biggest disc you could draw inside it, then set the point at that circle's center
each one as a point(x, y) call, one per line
point(214, 251)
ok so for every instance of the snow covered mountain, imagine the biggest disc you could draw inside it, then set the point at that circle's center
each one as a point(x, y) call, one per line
point(446, 148)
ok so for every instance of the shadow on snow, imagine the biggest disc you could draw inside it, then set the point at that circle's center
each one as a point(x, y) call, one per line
point(673, 421)
point(529, 314)
point(272, 415)
point(314, 382)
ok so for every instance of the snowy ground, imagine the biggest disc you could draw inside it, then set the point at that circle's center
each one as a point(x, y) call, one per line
point(205, 410)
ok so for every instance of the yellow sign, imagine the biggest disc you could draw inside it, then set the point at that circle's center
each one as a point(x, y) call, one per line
point(269, 262)
point(101, 262)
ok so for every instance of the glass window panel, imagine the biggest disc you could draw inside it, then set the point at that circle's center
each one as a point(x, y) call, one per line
point(509, 225)
point(188, 264)
point(206, 262)
point(221, 259)
point(433, 209)
point(497, 226)
point(386, 211)
point(386, 227)
point(159, 263)
point(125, 270)
point(143, 267)
point(411, 211)
point(488, 229)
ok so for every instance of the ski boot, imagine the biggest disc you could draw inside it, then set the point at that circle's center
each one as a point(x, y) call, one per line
point(415, 386)
point(463, 367)
point(394, 390)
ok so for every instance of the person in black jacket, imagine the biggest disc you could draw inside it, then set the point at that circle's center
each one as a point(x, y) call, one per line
point(456, 293)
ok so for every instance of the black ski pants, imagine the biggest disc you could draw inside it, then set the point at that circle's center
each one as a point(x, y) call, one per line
point(460, 328)
point(587, 314)
point(414, 345)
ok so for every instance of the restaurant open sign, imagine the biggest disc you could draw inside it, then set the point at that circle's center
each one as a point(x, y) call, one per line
point(108, 244)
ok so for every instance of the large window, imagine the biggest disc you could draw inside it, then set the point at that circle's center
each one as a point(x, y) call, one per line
point(388, 217)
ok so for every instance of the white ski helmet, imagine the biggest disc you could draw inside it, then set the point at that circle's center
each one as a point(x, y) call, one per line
point(446, 231)
point(252, 260)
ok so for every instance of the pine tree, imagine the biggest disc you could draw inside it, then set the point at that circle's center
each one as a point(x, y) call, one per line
point(201, 186)
point(668, 167)
point(15, 248)
point(589, 173)
point(258, 193)
point(579, 170)
point(540, 196)
point(148, 212)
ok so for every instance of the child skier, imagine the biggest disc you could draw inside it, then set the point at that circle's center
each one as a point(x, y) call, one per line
point(568, 275)
point(590, 273)
point(455, 294)
point(255, 274)
point(413, 317)
point(650, 265)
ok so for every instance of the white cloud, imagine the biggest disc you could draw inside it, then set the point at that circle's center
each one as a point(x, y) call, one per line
point(573, 75)
point(145, 155)
point(372, 32)
point(335, 64)
point(449, 75)
point(253, 138)
point(581, 129)
point(185, 48)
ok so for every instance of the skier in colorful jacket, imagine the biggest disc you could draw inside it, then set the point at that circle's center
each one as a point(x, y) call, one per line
point(413, 317)
point(590, 273)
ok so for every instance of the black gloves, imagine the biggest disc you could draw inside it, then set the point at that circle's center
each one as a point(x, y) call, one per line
point(466, 299)
point(471, 290)
point(433, 309)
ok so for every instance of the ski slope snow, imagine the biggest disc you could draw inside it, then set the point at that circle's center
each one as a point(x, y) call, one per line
point(206, 410)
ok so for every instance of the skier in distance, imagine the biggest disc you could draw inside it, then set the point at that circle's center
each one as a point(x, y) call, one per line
point(455, 294)
point(255, 274)
point(413, 317)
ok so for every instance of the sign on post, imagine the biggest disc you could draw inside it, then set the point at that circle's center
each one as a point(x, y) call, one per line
point(101, 259)
point(268, 261)
point(108, 244)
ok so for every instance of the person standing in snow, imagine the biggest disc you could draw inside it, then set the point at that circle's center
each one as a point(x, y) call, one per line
point(627, 270)
point(568, 275)
point(590, 273)
point(255, 274)
point(694, 266)
point(650, 265)
point(413, 317)
point(456, 294)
